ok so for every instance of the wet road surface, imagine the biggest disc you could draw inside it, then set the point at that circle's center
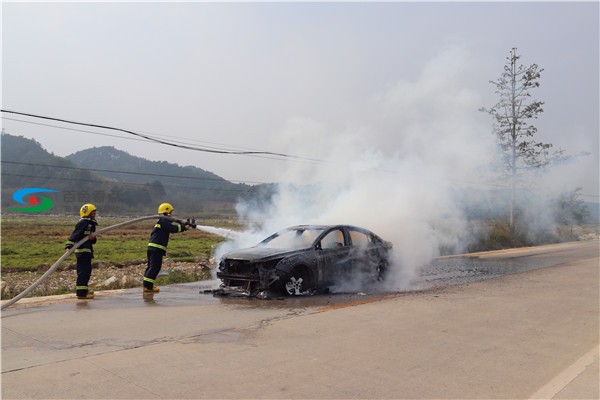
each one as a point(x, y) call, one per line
point(441, 272)
point(440, 339)
point(456, 270)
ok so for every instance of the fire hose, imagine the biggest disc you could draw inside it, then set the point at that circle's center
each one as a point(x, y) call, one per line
point(71, 250)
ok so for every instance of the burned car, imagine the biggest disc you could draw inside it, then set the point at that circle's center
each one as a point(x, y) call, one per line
point(305, 259)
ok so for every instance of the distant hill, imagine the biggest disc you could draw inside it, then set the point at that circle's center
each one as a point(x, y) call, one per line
point(117, 182)
point(136, 169)
point(26, 164)
point(190, 185)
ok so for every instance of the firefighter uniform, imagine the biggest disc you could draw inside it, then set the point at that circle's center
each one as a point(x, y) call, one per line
point(157, 248)
point(84, 254)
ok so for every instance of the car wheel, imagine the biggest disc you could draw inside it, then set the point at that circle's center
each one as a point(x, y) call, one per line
point(297, 283)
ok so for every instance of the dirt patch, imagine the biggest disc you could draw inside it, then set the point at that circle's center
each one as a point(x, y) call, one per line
point(105, 276)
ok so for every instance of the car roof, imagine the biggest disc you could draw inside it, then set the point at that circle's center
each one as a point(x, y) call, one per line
point(316, 226)
point(313, 226)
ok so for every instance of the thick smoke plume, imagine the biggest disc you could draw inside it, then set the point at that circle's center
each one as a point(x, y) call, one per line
point(408, 166)
point(392, 173)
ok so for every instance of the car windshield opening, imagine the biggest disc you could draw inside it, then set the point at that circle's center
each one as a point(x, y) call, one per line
point(293, 239)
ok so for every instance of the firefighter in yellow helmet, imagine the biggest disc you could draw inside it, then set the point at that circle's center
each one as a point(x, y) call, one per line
point(86, 226)
point(157, 247)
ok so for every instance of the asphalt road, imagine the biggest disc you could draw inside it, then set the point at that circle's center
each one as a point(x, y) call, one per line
point(533, 333)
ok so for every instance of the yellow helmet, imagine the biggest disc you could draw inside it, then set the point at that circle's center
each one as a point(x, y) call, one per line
point(165, 208)
point(86, 210)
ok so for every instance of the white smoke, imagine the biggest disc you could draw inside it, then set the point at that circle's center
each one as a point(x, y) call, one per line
point(392, 173)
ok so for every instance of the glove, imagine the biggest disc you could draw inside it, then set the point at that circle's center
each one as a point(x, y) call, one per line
point(191, 222)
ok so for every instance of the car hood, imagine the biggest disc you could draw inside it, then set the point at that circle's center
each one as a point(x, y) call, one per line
point(259, 254)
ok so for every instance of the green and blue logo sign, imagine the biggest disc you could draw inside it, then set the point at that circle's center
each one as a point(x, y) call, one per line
point(36, 203)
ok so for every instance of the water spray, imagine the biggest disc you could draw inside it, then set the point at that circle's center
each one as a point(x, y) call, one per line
point(226, 233)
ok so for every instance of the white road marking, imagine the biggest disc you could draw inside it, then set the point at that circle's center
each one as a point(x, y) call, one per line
point(560, 381)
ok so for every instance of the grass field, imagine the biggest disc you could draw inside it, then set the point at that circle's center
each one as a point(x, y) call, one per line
point(35, 242)
point(30, 245)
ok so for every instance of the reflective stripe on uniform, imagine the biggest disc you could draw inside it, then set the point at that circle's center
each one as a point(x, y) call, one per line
point(149, 280)
point(158, 246)
point(157, 226)
point(81, 288)
point(83, 251)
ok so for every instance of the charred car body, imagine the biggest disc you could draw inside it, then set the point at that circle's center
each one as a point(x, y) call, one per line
point(305, 259)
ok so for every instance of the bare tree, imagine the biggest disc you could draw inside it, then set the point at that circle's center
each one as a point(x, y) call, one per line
point(512, 115)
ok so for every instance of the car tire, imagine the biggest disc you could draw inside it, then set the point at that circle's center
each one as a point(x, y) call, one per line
point(298, 282)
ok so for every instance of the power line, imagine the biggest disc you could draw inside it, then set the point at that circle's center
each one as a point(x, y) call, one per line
point(153, 139)
point(189, 177)
point(145, 141)
point(71, 129)
point(185, 145)
point(124, 172)
point(124, 183)
point(214, 150)
point(457, 181)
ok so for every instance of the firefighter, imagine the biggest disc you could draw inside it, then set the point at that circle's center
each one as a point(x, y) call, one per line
point(157, 247)
point(86, 226)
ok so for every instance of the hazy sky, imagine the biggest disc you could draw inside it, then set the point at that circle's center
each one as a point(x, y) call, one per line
point(397, 80)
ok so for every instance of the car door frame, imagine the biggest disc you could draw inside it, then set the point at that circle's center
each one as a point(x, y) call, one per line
point(333, 263)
